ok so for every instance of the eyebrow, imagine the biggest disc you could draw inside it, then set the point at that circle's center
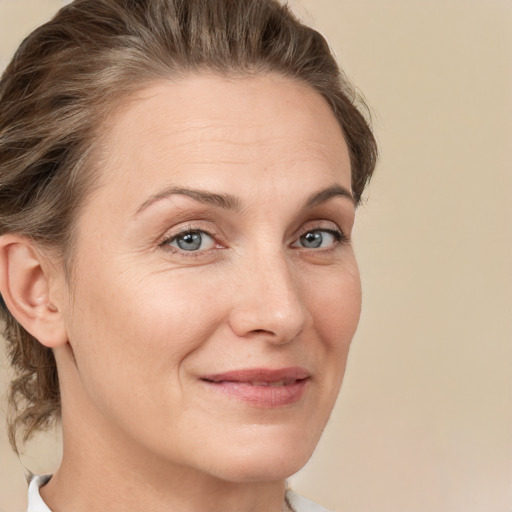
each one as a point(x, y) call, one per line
point(328, 193)
point(230, 202)
point(225, 201)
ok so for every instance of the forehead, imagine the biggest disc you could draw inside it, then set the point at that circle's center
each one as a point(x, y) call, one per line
point(199, 127)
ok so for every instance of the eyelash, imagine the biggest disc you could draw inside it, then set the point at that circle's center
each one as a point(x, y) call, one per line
point(167, 240)
point(339, 237)
point(338, 234)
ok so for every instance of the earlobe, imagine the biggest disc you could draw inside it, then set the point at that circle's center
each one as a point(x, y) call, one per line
point(25, 286)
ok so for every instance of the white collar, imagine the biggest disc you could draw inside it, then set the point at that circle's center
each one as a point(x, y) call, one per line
point(301, 504)
point(36, 503)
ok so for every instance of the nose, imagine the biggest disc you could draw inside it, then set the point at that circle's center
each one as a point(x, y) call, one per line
point(267, 301)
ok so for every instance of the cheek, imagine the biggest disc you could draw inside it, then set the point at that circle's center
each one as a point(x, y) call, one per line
point(132, 342)
point(335, 306)
point(139, 331)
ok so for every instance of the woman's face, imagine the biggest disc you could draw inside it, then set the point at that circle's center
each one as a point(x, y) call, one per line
point(215, 288)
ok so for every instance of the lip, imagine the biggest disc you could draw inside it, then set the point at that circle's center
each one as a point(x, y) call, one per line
point(261, 387)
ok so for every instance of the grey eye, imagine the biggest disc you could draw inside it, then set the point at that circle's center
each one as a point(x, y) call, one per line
point(317, 238)
point(312, 240)
point(192, 241)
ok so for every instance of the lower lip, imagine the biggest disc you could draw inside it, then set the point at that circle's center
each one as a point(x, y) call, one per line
point(262, 396)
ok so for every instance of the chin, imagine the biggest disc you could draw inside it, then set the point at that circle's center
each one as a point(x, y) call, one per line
point(266, 458)
point(247, 470)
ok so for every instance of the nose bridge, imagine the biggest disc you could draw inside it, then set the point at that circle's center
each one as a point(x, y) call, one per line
point(269, 300)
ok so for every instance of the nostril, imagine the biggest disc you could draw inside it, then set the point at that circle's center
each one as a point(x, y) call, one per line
point(275, 314)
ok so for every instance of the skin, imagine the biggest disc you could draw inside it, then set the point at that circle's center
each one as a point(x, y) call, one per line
point(144, 320)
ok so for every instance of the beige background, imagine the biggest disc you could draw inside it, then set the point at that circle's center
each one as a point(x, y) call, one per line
point(424, 422)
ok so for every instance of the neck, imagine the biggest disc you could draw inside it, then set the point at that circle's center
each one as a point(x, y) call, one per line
point(106, 472)
point(64, 492)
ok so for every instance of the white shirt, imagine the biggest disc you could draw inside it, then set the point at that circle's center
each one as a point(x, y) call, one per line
point(36, 503)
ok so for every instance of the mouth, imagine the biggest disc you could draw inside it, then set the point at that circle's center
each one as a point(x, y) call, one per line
point(262, 387)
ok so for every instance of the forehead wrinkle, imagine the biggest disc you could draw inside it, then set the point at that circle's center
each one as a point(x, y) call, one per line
point(217, 129)
point(248, 149)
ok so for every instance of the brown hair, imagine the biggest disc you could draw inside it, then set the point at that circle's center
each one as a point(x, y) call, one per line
point(71, 73)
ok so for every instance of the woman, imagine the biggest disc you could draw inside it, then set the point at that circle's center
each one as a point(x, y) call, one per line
point(177, 192)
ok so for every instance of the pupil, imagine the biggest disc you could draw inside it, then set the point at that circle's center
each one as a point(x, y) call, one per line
point(312, 239)
point(190, 242)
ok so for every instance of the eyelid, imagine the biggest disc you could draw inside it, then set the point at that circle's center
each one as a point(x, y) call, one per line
point(171, 235)
point(324, 225)
point(336, 233)
point(327, 226)
point(204, 238)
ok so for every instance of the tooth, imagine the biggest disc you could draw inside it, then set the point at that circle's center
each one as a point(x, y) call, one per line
point(256, 383)
point(277, 384)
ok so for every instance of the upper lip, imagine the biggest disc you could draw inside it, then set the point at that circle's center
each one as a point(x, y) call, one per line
point(260, 375)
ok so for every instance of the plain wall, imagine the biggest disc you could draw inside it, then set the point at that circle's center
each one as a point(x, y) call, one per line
point(424, 420)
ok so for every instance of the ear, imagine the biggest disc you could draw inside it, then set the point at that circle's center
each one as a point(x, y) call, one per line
point(27, 286)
